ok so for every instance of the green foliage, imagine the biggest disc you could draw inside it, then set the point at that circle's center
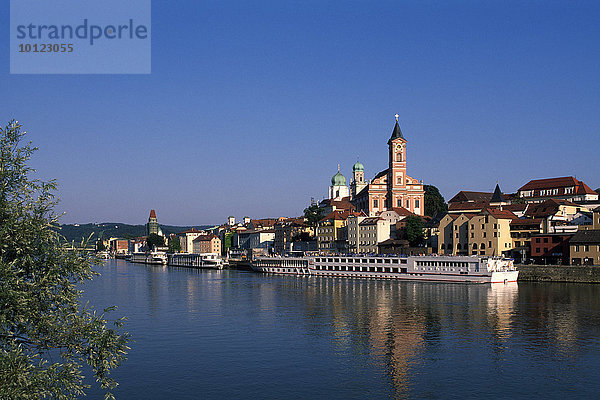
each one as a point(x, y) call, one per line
point(46, 335)
point(100, 245)
point(415, 234)
point(517, 200)
point(598, 190)
point(174, 245)
point(154, 240)
point(227, 241)
point(117, 230)
point(313, 214)
point(435, 205)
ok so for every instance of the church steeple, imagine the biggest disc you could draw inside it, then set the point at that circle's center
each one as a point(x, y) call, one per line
point(497, 196)
point(397, 132)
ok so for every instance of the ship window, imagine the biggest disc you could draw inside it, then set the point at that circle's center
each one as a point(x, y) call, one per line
point(394, 261)
point(379, 261)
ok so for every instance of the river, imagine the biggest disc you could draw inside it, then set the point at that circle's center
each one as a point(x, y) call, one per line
point(205, 334)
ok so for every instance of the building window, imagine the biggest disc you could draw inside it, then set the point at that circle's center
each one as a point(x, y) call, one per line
point(407, 203)
point(399, 201)
point(416, 203)
point(375, 203)
point(399, 157)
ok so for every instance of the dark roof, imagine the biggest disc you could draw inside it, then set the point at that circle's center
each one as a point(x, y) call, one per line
point(382, 173)
point(497, 196)
point(547, 208)
point(370, 221)
point(515, 207)
point(396, 133)
point(586, 237)
point(526, 221)
point(475, 205)
point(464, 196)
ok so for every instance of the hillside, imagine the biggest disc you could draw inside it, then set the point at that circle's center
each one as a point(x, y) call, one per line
point(75, 232)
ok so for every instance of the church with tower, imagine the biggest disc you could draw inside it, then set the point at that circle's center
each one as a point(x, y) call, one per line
point(389, 189)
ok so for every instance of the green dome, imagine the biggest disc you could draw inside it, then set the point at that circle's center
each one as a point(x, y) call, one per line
point(358, 167)
point(338, 179)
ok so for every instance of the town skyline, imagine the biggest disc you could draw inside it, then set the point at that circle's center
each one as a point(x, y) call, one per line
point(266, 100)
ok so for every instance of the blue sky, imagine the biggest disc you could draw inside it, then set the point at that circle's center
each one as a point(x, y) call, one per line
point(251, 105)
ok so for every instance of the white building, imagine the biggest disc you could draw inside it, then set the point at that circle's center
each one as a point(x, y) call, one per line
point(186, 239)
point(365, 233)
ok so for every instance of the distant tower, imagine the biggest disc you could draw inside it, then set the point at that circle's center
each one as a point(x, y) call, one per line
point(152, 225)
point(231, 220)
point(246, 220)
point(338, 189)
point(358, 178)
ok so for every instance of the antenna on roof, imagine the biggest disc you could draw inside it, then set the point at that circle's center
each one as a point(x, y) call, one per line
point(396, 117)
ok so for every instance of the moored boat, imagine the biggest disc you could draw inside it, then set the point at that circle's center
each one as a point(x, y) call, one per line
point(155, 257)
point(416, 268)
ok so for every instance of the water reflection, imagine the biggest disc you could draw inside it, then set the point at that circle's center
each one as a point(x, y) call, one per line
point(351, 337)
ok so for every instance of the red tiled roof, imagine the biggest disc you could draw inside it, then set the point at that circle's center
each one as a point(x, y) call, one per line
point(553, 183)
point(501, 214)
point(585, 189)
point(341, 215)
point(402, 211)
point(263, 222)
point(205, 238)
point(192, 230)
point(152, 214)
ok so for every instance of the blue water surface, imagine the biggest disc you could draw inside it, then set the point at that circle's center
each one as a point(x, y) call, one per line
point(206, 334)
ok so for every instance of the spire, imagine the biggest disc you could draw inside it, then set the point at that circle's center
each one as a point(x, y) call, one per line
point(497, 196)
point(396, 133)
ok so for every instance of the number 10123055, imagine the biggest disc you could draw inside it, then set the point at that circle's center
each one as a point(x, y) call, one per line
point(45, 48)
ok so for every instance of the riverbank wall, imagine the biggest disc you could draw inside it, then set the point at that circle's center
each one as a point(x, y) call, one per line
point(559, 273)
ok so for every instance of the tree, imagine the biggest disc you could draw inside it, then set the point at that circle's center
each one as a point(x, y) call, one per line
point(174, 245)
point(598, 190)
point(313, 214)
point(46, 334)
point(414, 230)
point(435, 205)
point(153, 240)
point(100, 245)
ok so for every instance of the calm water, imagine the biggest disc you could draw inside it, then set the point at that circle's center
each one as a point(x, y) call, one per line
point(238, 335)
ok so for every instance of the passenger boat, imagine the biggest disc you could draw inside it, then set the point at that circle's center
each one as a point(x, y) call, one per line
point(202, 260)
point(415, 268)
point(155, 257)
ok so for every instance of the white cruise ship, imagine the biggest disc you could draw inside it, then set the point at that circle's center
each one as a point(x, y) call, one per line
point(415, 268)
